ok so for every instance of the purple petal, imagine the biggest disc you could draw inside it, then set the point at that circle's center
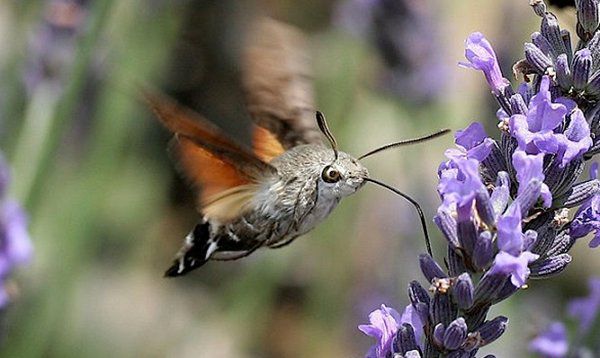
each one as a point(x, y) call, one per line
point(576, 139)
point(384, 324)
point(530, 167)
point(515, 266)
point(481, 56)
point(510, 234)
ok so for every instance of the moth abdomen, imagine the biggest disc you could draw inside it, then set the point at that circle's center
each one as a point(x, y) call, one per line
point(195, 251)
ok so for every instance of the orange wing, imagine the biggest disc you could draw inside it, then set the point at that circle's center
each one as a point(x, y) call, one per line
point(265, 145)
point(226, 173)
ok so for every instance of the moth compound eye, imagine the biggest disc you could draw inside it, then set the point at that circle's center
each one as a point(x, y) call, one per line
point(330, 175)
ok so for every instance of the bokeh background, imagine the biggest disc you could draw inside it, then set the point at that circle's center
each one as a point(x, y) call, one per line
point(107, 211)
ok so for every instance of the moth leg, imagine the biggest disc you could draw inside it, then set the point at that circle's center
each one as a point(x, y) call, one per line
point(233, 255)
point(282, 244)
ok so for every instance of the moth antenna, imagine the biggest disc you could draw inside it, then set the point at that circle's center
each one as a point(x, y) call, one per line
point(327, 133)
point(406, 142)
point(415, 204)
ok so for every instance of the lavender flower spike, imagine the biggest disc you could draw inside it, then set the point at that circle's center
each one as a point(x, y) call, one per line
point(481, 56)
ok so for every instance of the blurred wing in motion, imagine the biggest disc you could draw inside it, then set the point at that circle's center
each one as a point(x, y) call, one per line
point(227, 174)
point(278, 84)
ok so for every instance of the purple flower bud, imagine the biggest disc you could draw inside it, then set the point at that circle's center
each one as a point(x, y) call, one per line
point(539, 7)
point(516, 266)
point(586, 309)
point(481, 56)
point(563, 242)
point(438, 334)
point(492, 330)
point(483, 254)
point(447, 225)
point(456, 264)
point(551, 31)
point(463, 291)
point(506, 291)
point(552, 342)
point(582, 66)
point(542, 43)
point(419, 298)
point(517, 104)
point(493, 164)
point(442, 309)
point(467, 236)
point(588, 16)
point(455, 334)
point(549, 266)
point(488, 286)
point(405, 339)
point(536, 58)
point(430, 268)
point(563, 72)
point(593, 87)
point(582, 192)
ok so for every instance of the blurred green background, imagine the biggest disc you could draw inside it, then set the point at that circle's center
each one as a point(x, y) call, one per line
point(107, 211)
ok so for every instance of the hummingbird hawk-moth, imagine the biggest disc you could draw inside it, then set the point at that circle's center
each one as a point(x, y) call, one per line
point(287, 182)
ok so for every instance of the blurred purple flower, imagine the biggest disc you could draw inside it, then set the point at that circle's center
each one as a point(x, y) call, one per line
point(481, 56)
point(552, 342)
point(586, 309)
point(15, 245)
point(515, 266)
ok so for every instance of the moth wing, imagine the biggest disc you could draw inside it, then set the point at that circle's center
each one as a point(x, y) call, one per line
point(277, 82)
point(226, 174)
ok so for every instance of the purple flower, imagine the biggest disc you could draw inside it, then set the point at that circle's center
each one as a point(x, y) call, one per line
point(535, 131)
point(530, 167)
point(576, 139)
point(472, 142)
point(515, 266)
point(587, 218)
point(586, 309)
point(510, 234)
point(459, 183)
point(552, 342)
point(481, 56)
point(384, 325)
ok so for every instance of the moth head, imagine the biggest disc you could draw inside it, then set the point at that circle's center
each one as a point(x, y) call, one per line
point(344, 175)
